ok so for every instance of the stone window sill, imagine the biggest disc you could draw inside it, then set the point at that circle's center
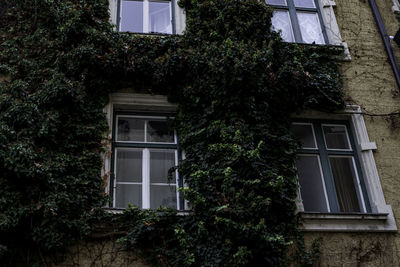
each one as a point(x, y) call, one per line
point(346, 222)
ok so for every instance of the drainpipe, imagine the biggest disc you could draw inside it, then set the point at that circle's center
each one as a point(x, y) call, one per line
point(386, 41)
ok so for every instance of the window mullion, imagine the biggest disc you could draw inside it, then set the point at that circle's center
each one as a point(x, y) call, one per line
point(321, 21)
point(295, 22)
point(146, 178)
point(177, 184)
point(146, 15)
point(172, 13)
point(113, 182)
point(119, 15)
point(326, 169)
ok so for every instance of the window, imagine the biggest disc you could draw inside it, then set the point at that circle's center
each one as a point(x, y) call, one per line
point(145, 16)
point(299, 21)
point(396, 6)
point(144, 150)
point(339, 183)
point(328, 168)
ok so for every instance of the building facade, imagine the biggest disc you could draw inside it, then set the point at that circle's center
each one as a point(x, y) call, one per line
point(348, 163)
point(369, 83)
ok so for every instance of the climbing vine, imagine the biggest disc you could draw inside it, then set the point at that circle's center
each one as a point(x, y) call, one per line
point(235, 84)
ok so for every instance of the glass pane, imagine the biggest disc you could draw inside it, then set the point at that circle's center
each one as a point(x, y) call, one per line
point(131, 16)
point(311, 187)
point(310, 28)
point(129, 166)
point(130, 129)
point(281, 21)
point(128, 193)
point(304, 3)
point(344, 177)
point(158, 131)
point(305, 133)
point(336, 137)
point(276, 2)
point(160, 163)
point(162, 195)
point(160, 17)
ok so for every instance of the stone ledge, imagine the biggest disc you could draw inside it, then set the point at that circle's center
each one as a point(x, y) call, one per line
point(345, 222)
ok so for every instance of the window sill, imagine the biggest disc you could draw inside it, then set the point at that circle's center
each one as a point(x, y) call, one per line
point(346, 222)
point(339, 51)
point(121, 210)
point(149, 34)
point(114, 210)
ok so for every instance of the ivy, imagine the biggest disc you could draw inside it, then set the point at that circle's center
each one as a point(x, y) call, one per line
point(235, 84)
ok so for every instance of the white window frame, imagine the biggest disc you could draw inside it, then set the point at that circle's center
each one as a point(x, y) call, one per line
point(293, 12)
point(326, 9)
point(146, 183)
point(381, 219)
point(139, 103)
point(178, 16)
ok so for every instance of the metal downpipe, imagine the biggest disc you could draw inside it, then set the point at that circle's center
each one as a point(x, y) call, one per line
point(386, 41)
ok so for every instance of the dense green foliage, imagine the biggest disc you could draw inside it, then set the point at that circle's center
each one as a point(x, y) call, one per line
point(235, 85)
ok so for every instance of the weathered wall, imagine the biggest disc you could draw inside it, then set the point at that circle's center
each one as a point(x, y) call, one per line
point(369, 82)
point(357, 249)
point(98, 253)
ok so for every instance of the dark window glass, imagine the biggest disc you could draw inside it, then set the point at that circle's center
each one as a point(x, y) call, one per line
point(336, 137)
point(130, 129)
point(158, 131)
point(305, 133)
point(311, 187)
point(344, 177)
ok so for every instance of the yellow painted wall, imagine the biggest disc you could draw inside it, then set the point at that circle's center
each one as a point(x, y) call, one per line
point(369, 82)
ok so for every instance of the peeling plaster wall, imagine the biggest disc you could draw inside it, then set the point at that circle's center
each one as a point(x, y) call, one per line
point(368, 81)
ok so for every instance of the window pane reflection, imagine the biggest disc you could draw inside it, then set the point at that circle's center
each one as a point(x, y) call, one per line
point(277, 2)
point(131, 16)
point(305, 133)
point(130, 129)
point(160, 17)
point(304, 3)
point(336, 137)
point(158, 131)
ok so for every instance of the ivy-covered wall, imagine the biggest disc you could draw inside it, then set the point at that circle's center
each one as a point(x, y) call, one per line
point(235, 84)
